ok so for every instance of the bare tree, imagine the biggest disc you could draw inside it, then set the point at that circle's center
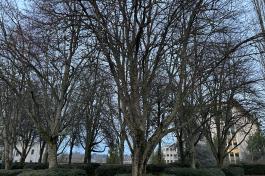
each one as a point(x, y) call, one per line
point(51, 66)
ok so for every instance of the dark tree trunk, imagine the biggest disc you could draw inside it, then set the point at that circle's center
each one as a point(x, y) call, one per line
point(121, 146)
point(138, 167)
point(45, 156)
point(23, 156)
point(138, 160)
point(71, 150)
point(159, 152)
point(52, 156)
point(42, 147)
point(191, 152)
point(7, 155)
point(181, 148)
point(88, 157)
point(220, 160)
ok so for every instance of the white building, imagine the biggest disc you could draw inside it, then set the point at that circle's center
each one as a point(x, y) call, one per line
point(238, 146)
point(245, 127)
point(170, 153)
point(33, 155)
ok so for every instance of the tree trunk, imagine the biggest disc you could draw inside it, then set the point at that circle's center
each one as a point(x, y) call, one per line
point(121, 146)
point(159, 152)
point(88, 157)
point(181, 150)
point(138, 160)
point(138, 167)
point(23, 156)
point(52, 155)
point(42, 147)
point(192, 157)
point(8, 152)
point(191, 152)
point(71, 151)
point(220, 160)
point(45, 156)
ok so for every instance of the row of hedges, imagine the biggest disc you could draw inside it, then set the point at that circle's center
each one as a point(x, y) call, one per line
point(34, 166)
point(45, 172)
point(90, 169)
point(124, 170)
point(80, 172)
point(121, 170)
point(113, 169)
point(233, 171)
point(251, 169)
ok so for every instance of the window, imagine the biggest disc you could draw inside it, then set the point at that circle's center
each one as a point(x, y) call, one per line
point(235, 143)
point(32, 151)
point(171, 149)
point(171, 161)
point(175, 155)
point(166, 149)
point(237, 155)
point(167, 154)
point(231, 154)
point(170, 154)
point(30, 161)
point(167, 161)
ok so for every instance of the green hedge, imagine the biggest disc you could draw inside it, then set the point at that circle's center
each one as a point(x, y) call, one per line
point(144, 175)
point(89, 168)
point(54, 172)
point(159, 168)
point(36, 166)
point(194, 172)
point(124, 170)
point(233, 171)
point(11, 172)
point(113, 169)
point(251, 169)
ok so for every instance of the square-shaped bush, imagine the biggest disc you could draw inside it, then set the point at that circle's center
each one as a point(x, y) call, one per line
point(251, 169)
point(11, 172)
point(113, 169)
point(194, 172)
point(89, 168)
point(54, 172)
point(36, 166)
point(233, 171)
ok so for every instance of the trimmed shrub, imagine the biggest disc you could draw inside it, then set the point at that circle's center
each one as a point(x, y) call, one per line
point(54, 172)
point(158, 168)
point(251, 169)
point(195, 172)
point(11, 172)
point(144, 175)
point(36, 166)
point(233, 171)
point(185, 164)
point(113, 169)
point(17, 165)
point(89, 168)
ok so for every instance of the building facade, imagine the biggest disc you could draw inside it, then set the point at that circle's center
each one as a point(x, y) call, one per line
point(33, 155)
point(170, 153)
